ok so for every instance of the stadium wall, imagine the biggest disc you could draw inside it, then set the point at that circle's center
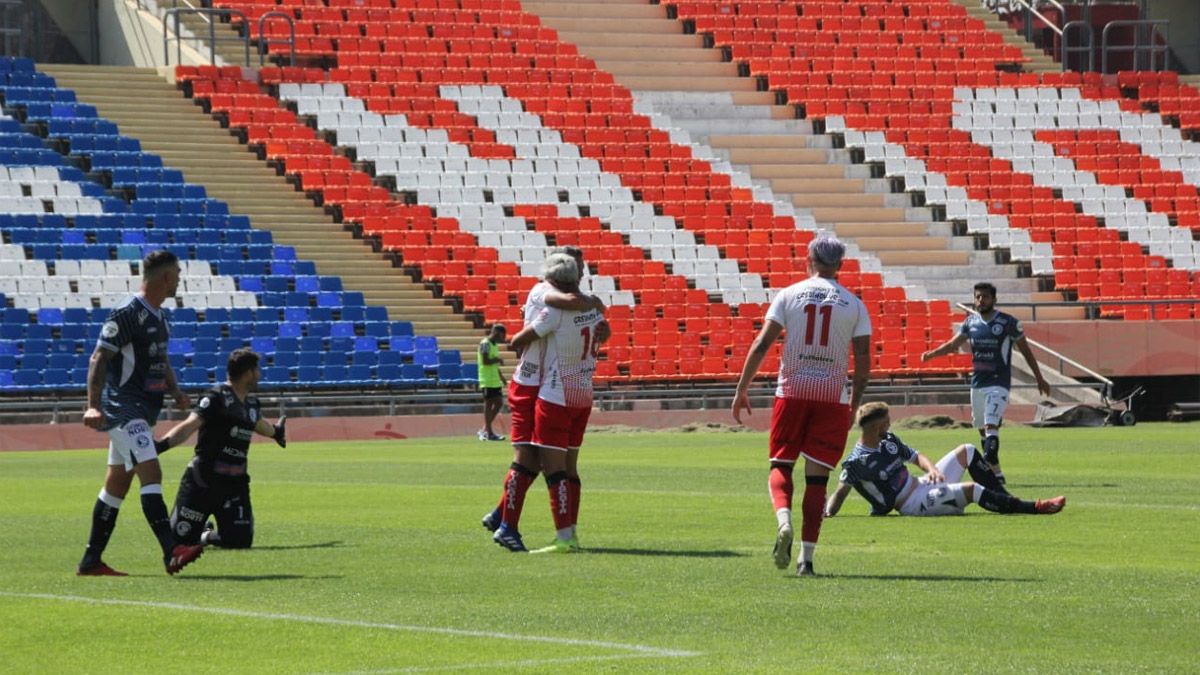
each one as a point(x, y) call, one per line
point(74, 436)
point(1184, 36)
point(1124, 348)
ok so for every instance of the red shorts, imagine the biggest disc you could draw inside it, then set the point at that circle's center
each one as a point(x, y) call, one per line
point(521, 401)
point(815, 429)
point(559, 427)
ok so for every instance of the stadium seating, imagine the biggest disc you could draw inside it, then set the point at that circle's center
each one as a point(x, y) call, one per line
point(1041, 164)
point(490, 127)
point(71, 248)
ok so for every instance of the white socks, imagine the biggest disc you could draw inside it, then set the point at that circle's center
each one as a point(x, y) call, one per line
point(783, 516)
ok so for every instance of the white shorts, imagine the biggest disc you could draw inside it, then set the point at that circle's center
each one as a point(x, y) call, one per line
point(988, 405)
point(938, 499)
point(131, 443)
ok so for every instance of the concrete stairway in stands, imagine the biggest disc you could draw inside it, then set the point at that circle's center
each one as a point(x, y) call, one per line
point(649, 53)
point(805, 167)
point(146, 106)
point(1036, 60)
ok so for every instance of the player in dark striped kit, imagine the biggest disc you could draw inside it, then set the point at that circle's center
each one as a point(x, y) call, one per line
point(128, 378)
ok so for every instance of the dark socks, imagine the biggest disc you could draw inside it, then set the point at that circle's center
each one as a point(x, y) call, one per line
point(104, 520)
point(1002, 502)
point(982, 474)
point(155, 510)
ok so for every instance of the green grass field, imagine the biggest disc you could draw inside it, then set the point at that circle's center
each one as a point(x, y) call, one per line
point(369, 558)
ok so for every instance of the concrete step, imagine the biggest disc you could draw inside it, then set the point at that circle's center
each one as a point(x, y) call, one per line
point(654, 82)
point(186, 138)
point(890, 258)
point(594, 10)
point(761, 141)
point(601, 53)
point(620, 69)
point(787, 156)
point(584, 40)
point(726, 127)
point(797, 171)
point(826, 186)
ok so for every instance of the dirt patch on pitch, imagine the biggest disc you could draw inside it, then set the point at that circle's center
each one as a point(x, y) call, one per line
point(932, 422)
point(690, 428)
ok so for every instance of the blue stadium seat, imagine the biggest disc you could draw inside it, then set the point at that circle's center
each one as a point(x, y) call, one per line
point(342, 329)
point(309, 376)
point(429, 360)
point(449, 373)
point(389, 358)
point(470, 372)
point(365, 343)
point(405, 346)
point(287, 359)
point(359, 374)
point(450, 356)
point(263, 345)
point(402, 329)
point(426, 343)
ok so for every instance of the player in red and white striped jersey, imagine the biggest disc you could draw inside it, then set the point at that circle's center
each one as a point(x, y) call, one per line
point(522, 398)
point(811, 417)
point(572, 342)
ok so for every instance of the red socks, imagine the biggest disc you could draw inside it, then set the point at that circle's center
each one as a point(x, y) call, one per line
point(813, 508)
point(560, 500)
point(516, 484)
point(780, 482)
point(574, 487)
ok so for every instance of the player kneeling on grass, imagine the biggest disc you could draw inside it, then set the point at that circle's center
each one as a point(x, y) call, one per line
point(215, 482)
point(875, 469)
point(564, 401)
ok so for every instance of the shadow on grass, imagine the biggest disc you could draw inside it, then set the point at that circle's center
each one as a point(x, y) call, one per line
point(927, 577)
point(1058, 486)
point(254, 577)
point(290, 547)
point(665, 553)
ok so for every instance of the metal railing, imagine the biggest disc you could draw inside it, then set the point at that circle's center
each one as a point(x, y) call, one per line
point(1151, 29)
point(264, 42)
point(1031, 12)
point(1089, 48)
point(213, 38)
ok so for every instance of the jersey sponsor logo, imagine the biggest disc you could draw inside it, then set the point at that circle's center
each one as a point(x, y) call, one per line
point(190, 514)
point(109, 330)
point(233, 452)
point(137, 428)
point(204, 403)
point(997, 329)
point(240, 433)
point(890, 447)
point(142, 316)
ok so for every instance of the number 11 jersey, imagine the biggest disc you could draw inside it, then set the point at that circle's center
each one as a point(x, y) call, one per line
point(820, 317)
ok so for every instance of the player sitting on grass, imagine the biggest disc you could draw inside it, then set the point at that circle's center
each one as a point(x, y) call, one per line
point(876, 470)
point(215, 482)
point(563, 405)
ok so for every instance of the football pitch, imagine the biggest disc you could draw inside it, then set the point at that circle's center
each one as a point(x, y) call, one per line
point(369, 558)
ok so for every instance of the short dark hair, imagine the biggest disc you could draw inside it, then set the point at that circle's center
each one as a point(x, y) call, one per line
point(498, 327)
point(157, 260)
point(241, 361)
point(987, 287)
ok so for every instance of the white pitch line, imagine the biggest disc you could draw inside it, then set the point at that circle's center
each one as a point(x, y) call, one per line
point(330, 621)
point(524, 663)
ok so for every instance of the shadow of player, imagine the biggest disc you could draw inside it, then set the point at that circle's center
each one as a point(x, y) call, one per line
point(664, 553)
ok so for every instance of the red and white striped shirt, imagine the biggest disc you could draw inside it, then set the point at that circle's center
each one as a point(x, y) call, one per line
point(820, 317)
point(571, 351)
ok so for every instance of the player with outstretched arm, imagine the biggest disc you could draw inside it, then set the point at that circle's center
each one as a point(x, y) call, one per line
point(215, 482)
point(992, 334)
point(811, 417)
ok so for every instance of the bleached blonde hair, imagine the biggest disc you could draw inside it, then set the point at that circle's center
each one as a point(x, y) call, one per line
point(560, 269)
